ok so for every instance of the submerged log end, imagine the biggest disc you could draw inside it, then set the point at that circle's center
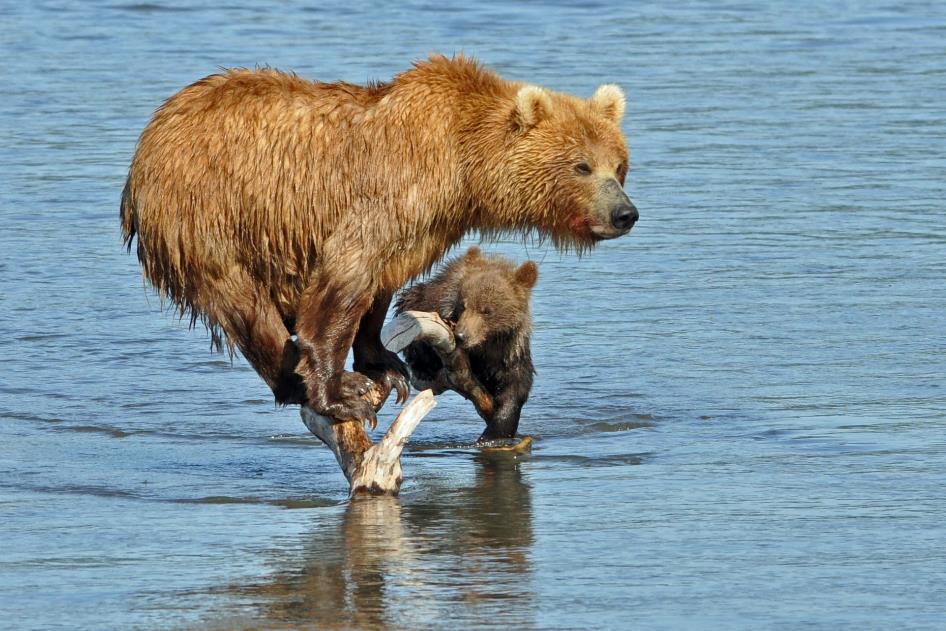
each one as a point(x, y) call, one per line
point(376, 469)
point(370, 469)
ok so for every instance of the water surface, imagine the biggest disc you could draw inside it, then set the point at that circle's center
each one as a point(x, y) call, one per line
point(739, 409)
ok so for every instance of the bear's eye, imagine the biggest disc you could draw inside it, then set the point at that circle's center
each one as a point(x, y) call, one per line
point(583, 168)
point(487, 312)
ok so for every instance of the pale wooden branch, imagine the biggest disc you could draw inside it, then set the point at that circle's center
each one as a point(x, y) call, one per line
point(457, 375)
point(376, 469)
point(380, 469)
point(417, 326)
point(371, 469)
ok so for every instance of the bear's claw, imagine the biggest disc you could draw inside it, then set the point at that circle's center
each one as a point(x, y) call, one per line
point(351, 402)
point(390, 374)
point(354, 385)
point(354, 409)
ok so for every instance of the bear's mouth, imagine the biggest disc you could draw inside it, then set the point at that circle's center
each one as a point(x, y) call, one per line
point(601, 232)
point(583, 227)
point(594, 230)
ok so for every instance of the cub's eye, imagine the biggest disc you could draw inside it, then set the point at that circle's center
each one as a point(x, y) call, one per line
point(583, 168)
point(487, 312)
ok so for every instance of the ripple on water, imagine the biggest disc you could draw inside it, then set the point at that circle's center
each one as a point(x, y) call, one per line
point(591, 462)
point(282, 502)
point(114, 432)
point(784, 283)
point(620, 426)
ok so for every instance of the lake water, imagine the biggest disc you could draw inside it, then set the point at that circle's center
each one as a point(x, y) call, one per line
point(739, 412)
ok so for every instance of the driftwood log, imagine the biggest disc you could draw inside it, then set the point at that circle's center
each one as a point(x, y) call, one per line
point(456, 375)
point(375, 469)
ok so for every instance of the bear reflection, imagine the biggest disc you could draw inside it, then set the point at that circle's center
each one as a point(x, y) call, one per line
point(438, 555)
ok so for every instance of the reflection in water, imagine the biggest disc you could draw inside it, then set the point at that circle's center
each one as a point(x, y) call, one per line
point(450, 555)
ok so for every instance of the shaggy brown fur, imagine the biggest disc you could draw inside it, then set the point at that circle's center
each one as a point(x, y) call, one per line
point(487, 300)
point(268, 205)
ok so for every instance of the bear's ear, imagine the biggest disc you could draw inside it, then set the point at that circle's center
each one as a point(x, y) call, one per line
point(472, 254)
point(527, 274)
point(608, 100)
point(532, 105)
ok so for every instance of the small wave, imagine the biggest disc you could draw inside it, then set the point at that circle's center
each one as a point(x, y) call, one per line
point(75, 489)
point(25, 416)
point(594, 461)
point(114, 432)
point(39, 337)
point(284, 502)
point(624, 426)
point(300, 440)
point(150, 7)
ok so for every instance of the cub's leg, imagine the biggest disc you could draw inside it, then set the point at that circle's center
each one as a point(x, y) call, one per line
point(508, 399)
point(505, 420)
point(464, 382)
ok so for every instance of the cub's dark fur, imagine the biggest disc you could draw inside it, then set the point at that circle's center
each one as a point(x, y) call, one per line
point(486, 298)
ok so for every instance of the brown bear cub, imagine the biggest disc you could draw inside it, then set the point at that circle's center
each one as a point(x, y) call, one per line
point(486, 300)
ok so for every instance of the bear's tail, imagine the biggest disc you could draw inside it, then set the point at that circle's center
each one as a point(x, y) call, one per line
point(128, 215)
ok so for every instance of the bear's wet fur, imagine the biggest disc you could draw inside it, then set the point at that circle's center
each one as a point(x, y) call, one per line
point(486, 299)
point(268, 206)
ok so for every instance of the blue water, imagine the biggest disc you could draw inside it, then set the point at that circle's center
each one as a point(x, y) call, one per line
point(739, 410)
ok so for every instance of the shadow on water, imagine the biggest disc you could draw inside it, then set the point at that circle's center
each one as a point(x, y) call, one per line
point(435, 556)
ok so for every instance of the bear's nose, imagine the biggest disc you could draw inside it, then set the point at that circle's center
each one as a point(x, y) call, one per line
point(458, 336)
point(624, 216)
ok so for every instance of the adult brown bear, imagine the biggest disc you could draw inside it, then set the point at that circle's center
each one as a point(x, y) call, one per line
point(267, 205)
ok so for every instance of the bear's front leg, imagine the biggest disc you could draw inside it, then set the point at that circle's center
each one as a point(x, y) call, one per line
point(373, 360)
point(329, 312)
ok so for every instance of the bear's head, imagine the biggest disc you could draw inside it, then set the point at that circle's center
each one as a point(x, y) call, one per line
point(492, 299)
point(567, 160)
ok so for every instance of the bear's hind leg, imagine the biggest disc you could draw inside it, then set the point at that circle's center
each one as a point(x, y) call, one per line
point(252, 323)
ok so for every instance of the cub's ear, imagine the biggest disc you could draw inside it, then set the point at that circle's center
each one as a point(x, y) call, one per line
point(527, 274)
point(472, 254)
point(532, 105)
point(608, 100)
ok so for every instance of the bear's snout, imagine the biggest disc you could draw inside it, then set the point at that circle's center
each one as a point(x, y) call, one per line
point(614, 214)
point(624, 215)
point(469, 332)
point(466, 339)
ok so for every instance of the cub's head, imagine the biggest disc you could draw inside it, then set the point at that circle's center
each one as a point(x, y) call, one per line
point(569, 159)
point(492, 299)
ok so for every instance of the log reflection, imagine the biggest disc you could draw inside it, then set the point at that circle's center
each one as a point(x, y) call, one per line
point(436, 556)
